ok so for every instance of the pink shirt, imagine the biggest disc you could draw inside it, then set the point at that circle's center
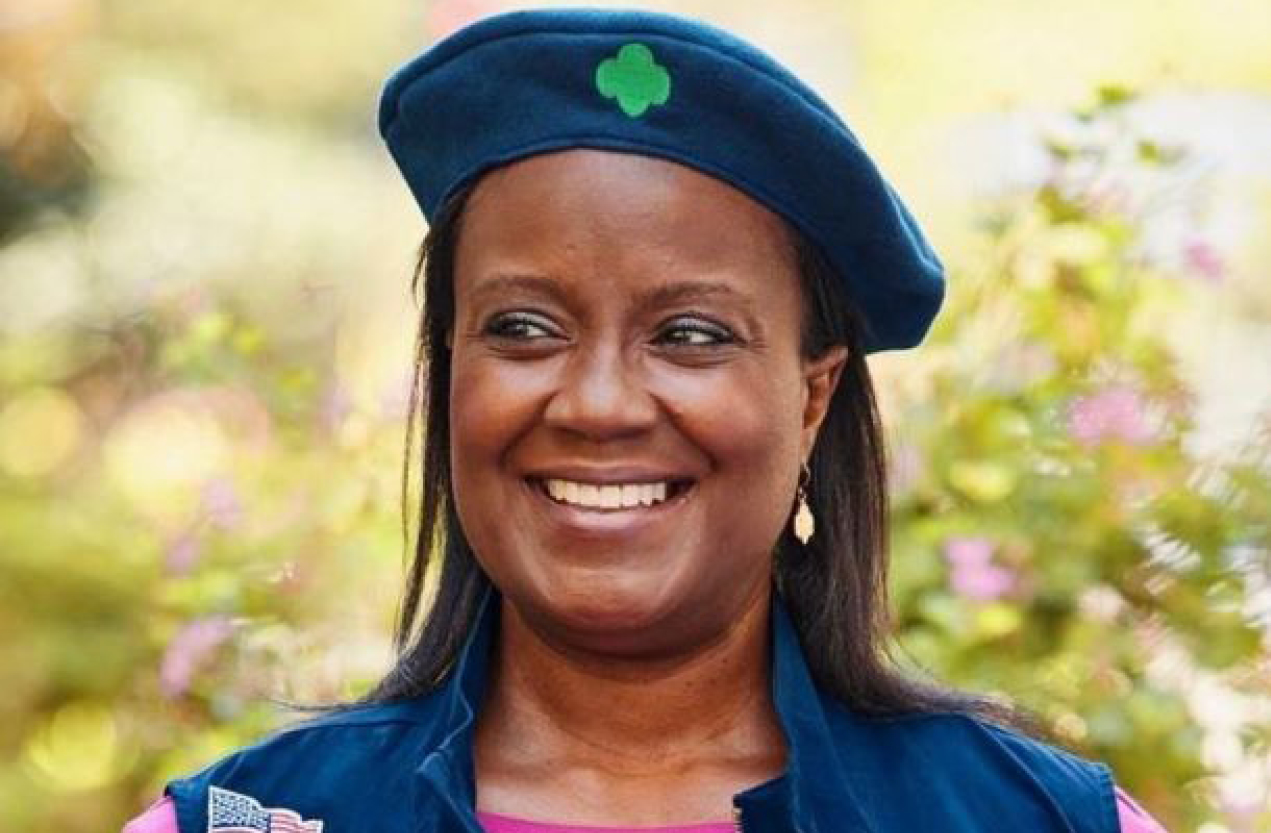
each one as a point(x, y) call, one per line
point(162, 818)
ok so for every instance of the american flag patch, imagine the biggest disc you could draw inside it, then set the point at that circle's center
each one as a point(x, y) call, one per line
point(231, 812)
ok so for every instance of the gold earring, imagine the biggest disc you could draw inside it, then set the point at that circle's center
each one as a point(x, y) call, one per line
point(804, 523)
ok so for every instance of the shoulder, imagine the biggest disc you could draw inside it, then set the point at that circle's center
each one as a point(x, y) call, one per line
point(345, 735)
point(974, 762)
point(361, 749)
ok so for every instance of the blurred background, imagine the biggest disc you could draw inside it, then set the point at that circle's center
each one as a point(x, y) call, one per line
point(205, 339)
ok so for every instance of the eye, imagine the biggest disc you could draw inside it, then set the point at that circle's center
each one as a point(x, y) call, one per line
point(694, 332)
point(516, 326)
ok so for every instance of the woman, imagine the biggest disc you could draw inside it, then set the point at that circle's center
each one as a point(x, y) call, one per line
point(653, 474)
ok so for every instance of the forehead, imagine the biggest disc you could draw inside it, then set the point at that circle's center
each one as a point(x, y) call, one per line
point(605, 214)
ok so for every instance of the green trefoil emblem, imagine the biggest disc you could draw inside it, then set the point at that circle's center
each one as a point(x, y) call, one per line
point(634, 78)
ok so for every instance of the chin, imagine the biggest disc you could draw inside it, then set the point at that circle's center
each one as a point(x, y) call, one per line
point(608, 619)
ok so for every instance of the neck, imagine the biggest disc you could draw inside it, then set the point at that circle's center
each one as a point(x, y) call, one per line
point(710, 703)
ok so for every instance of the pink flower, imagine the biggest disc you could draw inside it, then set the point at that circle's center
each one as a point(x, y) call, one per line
point(221, 503)
point(183, 553)
point(193, 645)
point(1115, 413)
point(973, 575)
point(1204, 259)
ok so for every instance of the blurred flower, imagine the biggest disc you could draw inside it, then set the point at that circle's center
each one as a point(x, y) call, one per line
point(189, 649)
point(183, 553)
point(1115, 413)
point(221, 503)
point(1201, 257)
point(973, 575)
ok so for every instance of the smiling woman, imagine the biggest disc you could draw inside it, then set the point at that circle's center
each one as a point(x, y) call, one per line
point(636, 356)
point(656, 264)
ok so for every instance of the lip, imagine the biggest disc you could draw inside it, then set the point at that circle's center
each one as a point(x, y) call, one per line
point(610, 475)
point(611, 522)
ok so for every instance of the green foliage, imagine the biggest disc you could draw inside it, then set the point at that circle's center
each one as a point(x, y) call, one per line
point(1056, 539)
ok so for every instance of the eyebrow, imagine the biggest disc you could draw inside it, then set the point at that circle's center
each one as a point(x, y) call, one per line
point(500, 284)
point(657, 295)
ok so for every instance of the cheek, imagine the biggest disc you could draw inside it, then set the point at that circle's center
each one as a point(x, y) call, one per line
point(489, 402)
point(491, 407)
point(742, 417)
point(748, 425)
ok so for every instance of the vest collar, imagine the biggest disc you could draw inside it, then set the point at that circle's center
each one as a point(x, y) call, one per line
point(819, 792)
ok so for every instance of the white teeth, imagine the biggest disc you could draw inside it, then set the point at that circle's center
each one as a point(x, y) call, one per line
point(626, 495)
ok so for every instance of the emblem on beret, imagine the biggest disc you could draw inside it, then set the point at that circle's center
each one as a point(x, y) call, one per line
point(634, 78)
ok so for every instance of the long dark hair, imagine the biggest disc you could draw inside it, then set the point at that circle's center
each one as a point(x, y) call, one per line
point(835, 586)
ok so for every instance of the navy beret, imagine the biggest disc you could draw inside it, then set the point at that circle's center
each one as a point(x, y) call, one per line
point(528, 82)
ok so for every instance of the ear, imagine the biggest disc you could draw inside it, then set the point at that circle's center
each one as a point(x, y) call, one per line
point(820, 378)
point(450, 338)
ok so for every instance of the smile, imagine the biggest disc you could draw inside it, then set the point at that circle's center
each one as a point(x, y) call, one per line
point(611, 496)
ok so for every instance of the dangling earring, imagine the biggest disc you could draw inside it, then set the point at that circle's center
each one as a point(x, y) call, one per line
point(804, 523)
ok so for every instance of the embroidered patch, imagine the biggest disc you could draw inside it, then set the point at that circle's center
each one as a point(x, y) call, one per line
point(634, 78)
point(231, 812)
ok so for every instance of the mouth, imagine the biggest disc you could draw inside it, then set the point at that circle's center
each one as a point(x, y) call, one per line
point(631, 497)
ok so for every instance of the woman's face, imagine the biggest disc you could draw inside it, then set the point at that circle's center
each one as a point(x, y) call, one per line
point(626, 331)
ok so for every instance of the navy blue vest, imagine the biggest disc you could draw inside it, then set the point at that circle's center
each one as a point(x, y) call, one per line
point(408, 767)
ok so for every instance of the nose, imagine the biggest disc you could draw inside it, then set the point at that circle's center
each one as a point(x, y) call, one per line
point(602, 395)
